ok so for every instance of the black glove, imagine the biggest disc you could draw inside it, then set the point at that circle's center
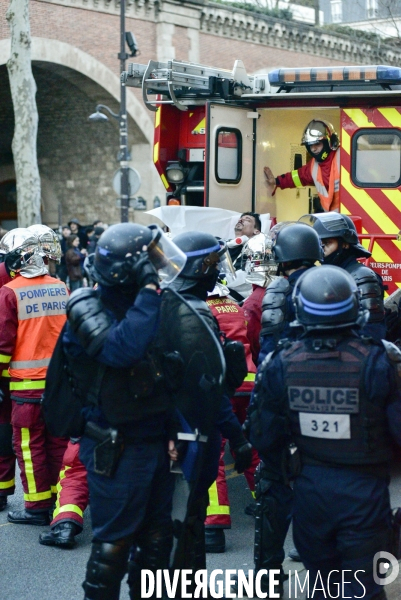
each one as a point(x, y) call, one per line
point(145, 272)
point(242, 456)
point(14, 260)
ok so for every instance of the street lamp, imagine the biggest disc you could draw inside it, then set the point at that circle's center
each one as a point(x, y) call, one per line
point(123, 155)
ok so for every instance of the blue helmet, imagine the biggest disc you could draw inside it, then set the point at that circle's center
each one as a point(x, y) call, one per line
point(327, 297)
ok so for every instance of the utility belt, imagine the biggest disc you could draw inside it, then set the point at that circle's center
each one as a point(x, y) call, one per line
point(110, 446)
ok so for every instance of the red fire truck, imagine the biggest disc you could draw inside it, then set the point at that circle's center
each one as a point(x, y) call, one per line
point(215, 130)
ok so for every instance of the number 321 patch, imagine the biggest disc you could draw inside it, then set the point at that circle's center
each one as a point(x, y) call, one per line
point(325, 426)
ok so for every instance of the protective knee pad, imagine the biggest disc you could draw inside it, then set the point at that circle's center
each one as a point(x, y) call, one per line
point(152, 554)
point(106, 567)
point(6, 434)
point(157, 548)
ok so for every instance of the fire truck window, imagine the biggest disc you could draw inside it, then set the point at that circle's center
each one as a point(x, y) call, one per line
point(228, 155)
point(377, 158)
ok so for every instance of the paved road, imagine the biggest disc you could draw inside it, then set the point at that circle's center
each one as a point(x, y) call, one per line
point(29, 571)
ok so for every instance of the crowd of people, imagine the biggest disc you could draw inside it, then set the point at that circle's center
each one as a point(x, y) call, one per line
point(124, 388)
point(77, 242)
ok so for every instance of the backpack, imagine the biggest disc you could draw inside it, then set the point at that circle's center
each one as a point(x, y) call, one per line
point(60, 406)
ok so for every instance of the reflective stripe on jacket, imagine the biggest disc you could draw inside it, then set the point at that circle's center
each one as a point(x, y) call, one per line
point(329, 199)
point(41, 307)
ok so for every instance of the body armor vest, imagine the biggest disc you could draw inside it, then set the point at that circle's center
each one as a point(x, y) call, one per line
point(331, 418)
point(130, 394)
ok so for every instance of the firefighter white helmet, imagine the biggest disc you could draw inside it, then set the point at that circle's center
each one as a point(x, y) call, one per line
point(28, 244)
point(49, 241)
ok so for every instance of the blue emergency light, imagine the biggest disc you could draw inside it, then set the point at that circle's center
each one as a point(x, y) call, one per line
point(324, 76)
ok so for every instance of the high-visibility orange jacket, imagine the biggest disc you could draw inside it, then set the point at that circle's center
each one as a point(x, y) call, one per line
point(32, 314)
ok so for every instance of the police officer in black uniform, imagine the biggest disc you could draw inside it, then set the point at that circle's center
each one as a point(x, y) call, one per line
point(206, 257)
point(296, 248)
point(127, 410)
point(337, 396)
point(341, 247)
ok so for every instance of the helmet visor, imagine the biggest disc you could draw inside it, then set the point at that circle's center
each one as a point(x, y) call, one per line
point(315, 132)
point(226, 266)
point(332, 223)
point(165, 256)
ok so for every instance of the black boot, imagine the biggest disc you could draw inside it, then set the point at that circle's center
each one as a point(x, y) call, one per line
point(215, 540)
point(3, 502)
point(29, 517)
point(62, 535)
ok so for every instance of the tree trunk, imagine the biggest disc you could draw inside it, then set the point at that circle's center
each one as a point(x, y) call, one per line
point(23, 91)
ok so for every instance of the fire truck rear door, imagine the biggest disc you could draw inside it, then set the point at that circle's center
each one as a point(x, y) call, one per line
point(229, 161)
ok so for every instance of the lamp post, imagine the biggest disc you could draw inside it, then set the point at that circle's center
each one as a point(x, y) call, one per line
point(123, 154)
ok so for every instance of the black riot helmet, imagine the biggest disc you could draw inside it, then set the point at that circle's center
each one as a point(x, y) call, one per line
point(327, 298)
point(206, 257)
point(119, 249)
point(297, 243)
point(335, 225)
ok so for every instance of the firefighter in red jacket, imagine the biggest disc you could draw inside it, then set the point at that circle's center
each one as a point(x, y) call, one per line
point(32, 314)
point(231, 320)
point(9, 258)
point(323, 171)
point(7, 456)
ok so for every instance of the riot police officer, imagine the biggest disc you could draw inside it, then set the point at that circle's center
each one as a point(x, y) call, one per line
point(206, 257)
point(295, 248)
point(337, 397)
point(341, 247)
point(124, 446)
